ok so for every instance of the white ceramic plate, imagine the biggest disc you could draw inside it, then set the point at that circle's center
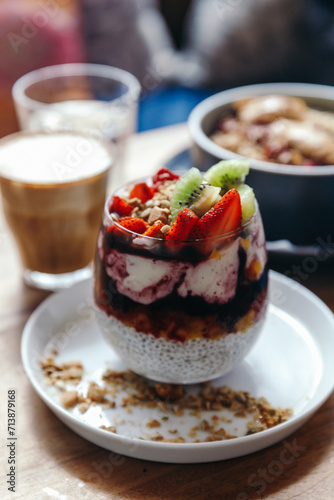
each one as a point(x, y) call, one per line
point(291, 365)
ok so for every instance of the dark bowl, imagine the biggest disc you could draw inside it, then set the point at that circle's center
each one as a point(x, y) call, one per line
point(296, 202)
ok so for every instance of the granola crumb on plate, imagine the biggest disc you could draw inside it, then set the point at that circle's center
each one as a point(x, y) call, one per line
point(127, 392)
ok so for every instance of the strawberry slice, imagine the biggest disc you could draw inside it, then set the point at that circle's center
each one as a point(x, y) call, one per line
point(134, 224)
point(154, 231)
point(222, 218)
point(120, 206)
point(142, 191)
point(163, 175)
point(183, 226)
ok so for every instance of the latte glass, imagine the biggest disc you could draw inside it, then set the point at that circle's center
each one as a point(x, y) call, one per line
point(53, 188)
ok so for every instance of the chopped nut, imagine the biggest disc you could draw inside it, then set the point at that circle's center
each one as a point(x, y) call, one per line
point(83, 407)
point(145, 213)
point(153, 423)
point(165, 204)
point(217, 406)
point(70, 371)
point(69, 398)
point(60, 384)
point(111, 428)
point(162, 406)
point(205, 426)
point(150, 404)
point(165, 229)
point(96, 393)
point(214, 437)
point(175, 440)
point(135, 201)
point(157, 437)
point(170, 391)
point(240, 413)
point(157, 214)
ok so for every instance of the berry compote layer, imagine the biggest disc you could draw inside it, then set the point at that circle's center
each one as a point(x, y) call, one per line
point(179, 302)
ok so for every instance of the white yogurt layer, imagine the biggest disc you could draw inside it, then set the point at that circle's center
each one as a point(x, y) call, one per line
point(216, 278)
point(145, 280)
point(141, 279)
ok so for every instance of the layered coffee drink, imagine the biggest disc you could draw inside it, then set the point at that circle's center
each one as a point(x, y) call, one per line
point(53, 191)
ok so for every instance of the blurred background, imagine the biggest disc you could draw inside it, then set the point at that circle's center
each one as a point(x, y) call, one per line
point(181, 50)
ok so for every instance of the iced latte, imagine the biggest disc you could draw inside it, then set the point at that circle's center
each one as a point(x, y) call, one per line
point(53, 190)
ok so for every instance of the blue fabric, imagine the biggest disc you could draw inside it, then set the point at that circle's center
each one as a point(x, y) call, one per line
point(168, 106)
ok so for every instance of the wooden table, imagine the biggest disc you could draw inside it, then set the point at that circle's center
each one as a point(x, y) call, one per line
point(55, 463)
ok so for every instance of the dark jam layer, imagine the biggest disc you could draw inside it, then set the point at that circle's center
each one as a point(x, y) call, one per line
point(175, 317)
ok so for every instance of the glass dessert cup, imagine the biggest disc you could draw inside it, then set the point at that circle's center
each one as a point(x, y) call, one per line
point(183, 312)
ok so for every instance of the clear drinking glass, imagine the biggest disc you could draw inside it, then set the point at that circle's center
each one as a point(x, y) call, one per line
point(53, 188)
point(181, 312)
point(92, 98)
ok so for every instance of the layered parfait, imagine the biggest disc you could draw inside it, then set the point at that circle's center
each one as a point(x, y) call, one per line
point(181, 273)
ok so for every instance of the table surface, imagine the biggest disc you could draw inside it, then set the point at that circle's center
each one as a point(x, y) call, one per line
point(54, 462)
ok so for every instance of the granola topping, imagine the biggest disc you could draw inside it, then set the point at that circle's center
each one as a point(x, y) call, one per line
point(157, 207)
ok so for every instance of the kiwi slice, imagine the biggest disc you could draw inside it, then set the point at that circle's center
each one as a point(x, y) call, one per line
point(227, 174)
point(247, 199)
point(192, 191)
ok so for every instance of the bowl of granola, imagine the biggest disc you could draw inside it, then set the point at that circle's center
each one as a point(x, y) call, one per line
point(286, 130)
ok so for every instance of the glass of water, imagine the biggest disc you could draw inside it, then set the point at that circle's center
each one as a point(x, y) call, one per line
point(92, 98)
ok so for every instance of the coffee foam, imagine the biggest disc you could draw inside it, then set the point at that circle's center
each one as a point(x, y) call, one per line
point(52, 158)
